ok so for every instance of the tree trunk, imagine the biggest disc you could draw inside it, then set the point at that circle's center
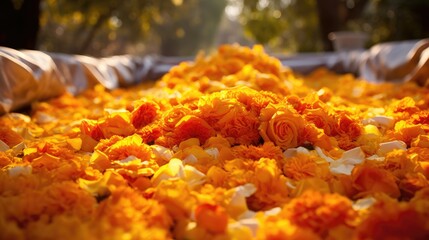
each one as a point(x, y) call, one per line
point(329, 20)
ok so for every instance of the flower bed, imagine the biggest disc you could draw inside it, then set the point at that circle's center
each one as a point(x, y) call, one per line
point(231, 146)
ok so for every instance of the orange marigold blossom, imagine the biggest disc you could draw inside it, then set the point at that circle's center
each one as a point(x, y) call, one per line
point(144, 114)
point(389, 219)
point(370, 180)
point(254, 100)
point(348, 126)
point(129, 146)
point(266, 150)
point(320, 211)
point(321, 119)
point(304, 166)
point(407, 132)
point(281, 125)
point(108, 163)
point(191, 126)
point(213, 218)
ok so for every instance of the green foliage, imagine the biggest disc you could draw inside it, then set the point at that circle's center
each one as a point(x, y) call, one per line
point(393, 20)
point(183, 27)
point(105, 27)
point(281, 24)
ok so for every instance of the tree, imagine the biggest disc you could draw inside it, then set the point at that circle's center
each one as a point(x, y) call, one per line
point(106, 27)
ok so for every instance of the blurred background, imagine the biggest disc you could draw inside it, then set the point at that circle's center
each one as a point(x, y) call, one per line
point(183, 27)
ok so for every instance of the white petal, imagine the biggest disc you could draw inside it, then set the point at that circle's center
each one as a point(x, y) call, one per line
point(18, 148)
point(162, 152)
point(19, 116)
point(375, 157)
point(241, 192)
point(342, 169)
point(172, 170)
point(20, 170)
point(247, 214)
point(364, 203)
point(214, 152)
point(194, 177)
point(380, 121)
point(353, 156)
point(390, 146)
point(273, 211)
point(128, 159)
point(322, 154)
point(291, 152)
point(190, 159)
point(3, 146)
point(44, 118)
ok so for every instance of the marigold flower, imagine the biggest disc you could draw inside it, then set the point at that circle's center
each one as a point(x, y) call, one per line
point(213, 218)
point(193, 127)
point(144, 114)
point(389, 219)
point(172, 116)
point(407, 132)
point(130, 146)
point(284, 229)
point(369, 180)
point(321, 119)
point(347, 126)
point(319, 211)
point(304, 166)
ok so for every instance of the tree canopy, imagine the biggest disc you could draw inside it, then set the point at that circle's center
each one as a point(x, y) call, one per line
point(182, 27)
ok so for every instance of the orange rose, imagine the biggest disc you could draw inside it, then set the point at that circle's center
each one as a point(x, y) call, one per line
point(171, 117)
point(282, 125)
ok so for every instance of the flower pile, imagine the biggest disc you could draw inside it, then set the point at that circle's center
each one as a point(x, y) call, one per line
point(230, 146)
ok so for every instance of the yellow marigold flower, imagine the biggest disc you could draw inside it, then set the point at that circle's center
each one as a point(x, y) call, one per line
point(304, 166)
point(273, 229)
point(319, 211)
point(126, 207)
point(177, 198)
point(130, 146)
point(407, 132)
point(271, 184)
